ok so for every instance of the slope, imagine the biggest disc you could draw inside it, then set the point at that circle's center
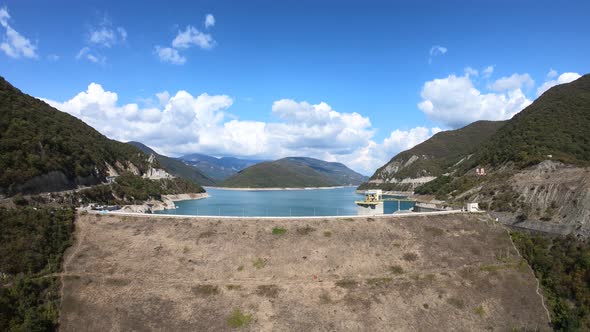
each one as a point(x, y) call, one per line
point(556, 126)
point(538, 174)
point(43, 149)
point(432, 158)
point(177, 167)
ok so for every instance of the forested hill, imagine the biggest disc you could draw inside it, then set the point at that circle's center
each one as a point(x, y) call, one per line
point(556, 127)
point(432, 157)
point(177, 167)
point(295, 172)
point(43, 149)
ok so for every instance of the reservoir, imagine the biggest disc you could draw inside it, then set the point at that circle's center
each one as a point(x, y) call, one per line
point(278, 203)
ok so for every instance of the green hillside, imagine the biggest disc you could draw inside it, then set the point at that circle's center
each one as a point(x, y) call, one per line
point(177, 167)
point(43, 149)
point(294, 172)
point(557, 124)
point(434, 156)
point(556, 127)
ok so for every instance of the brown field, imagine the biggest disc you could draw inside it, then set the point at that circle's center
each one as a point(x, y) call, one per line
point(443, 273)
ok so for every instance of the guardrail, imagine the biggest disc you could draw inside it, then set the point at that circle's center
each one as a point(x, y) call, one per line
point(178, 216)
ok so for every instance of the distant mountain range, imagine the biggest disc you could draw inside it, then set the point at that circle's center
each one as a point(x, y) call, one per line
point(217, 169)
point(294, 172)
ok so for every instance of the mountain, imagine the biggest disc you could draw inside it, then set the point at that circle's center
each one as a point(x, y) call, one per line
point(557, 124)
point(217, 169)
point(537, 166)
point(43, 149)
point(294, 172)
point(177, 167)
point(432, 158)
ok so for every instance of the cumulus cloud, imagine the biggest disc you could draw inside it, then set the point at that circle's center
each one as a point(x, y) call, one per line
point(209, 21)
point(513, 82)
point(170, 55)
point(14, 44)
point(563, 78)
point(454, 101)
point(400, 140)
point(436, 51)
point(184, 123)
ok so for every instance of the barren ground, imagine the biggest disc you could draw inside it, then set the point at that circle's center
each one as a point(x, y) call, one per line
point(457, 272)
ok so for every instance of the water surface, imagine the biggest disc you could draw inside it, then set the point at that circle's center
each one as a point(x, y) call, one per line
point(284, 203)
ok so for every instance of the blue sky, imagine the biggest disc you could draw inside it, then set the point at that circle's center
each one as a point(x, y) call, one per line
point(350, 81)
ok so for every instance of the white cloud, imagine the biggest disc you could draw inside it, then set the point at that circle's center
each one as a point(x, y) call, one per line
point(106, 35)
point(186, 39)
point(563, 78)
point(471, 72)
point(454, 101)
point(552, 73)
point(86, 53)
point(184, 123)
point(209, 21)
point(400, 140)
point(170, 55)
point(14, 44)
point(488, 71)
point(436, 51)
point(163, 97)
point(53, 57)
point(191, 36)
point(516, 81)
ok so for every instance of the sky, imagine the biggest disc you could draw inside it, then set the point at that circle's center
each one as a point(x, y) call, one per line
point(348, 81)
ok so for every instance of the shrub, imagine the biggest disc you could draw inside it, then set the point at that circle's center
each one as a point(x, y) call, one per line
point(278, 231)
point(238, 319)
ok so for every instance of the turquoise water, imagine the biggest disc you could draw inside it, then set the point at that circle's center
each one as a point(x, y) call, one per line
point(318, 202)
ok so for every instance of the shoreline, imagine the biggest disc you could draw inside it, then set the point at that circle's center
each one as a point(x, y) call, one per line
point(166, 203)
point(276, 188)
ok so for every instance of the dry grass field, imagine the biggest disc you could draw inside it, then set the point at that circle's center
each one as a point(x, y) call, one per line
point(443, 273)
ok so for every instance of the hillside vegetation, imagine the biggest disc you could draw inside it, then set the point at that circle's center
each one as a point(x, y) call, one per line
point(433, 157)
point(556, 126)
point(33, 242)
point(294, 172)
point(563, 268)
point(43, 149)
point(177, 167)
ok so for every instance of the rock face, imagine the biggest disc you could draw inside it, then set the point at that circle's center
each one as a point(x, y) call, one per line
point(166, 202)
point(553, 197)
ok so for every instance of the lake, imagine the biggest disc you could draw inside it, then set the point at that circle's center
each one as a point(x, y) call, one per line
point(275, 203)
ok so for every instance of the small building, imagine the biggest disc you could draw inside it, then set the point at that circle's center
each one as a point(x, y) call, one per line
point(480, 171)
point(372, 205)
point(472, 207)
